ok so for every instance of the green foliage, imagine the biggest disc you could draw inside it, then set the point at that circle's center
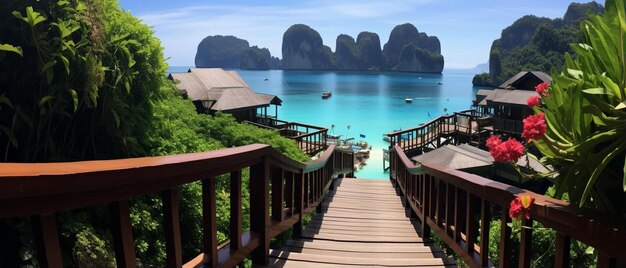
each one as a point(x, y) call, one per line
point(543, 246)
point(586, 117)
point(83, 79)
point(535, 44)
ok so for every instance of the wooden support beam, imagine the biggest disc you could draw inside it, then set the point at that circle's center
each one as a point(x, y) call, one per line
point(171, 228)
point(561, 257)
point(47, 240)
point(259, 210)
point(121, 230)
point(235, 210)
point(209, 221)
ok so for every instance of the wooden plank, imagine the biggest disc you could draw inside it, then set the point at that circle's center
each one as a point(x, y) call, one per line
point(379, 232)
point(561, 257)
point(354, 261)
point(360, 238)
point(379, 255)
point(359, 246)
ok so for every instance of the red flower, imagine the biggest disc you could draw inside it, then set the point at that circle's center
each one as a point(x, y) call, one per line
point(534, 127)
point(542, 89)
point(520, 206)
point(508, 151)
point(534, 101)
point(493, 141)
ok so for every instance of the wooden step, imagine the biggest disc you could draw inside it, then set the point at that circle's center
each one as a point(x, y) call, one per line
point(351, 260)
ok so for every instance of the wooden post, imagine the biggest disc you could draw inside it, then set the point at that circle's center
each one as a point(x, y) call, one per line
point(299, 202)
point(235, 210)
point(470, 225)
point(209, 221)
point(525, 248)
point(171, 228)
point(561, 257)
point(485, 218)
point(289, 178)
point(277, 195)
point(259, 210)
point(47, 240)
point(505, 239)
point(121, 230)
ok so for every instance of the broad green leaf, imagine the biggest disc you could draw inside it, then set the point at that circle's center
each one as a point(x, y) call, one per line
point(598, 91)
point(575, 73)
point(624, 179)
point(45, 99)
point(598, 170)
point(47, 66)
point(9, 134)
point(10, 48)
point(74, 99)
point(66, 63)
point(621, 105)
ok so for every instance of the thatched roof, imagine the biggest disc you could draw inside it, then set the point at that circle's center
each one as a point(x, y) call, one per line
point(526, 80)
point(507, 96)
point(465, 156)
point(220, 90)
point(514, 91)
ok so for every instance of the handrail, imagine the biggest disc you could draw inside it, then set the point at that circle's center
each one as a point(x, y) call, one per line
point(310, 142)
point(296, 189)
point(449, 202)
point(430, 133)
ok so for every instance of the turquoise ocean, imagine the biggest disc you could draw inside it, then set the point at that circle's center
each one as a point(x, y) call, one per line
point(371, 103)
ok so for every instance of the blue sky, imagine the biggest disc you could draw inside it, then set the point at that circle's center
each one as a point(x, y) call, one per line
point(465, 28)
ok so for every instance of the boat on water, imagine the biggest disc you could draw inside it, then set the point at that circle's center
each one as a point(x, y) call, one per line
point(326, 94)
point(439, 83)
point(408, 100)
point(266, 79)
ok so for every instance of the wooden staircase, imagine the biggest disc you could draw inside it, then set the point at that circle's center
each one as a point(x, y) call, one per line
point(363, 224)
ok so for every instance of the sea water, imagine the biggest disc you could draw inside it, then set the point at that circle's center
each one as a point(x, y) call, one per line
point(363, 104)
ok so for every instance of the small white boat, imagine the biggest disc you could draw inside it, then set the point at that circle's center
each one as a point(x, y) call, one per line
point(326, 94)
point(408, 100)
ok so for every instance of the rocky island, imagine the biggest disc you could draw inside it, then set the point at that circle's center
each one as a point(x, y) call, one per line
point(407, 50)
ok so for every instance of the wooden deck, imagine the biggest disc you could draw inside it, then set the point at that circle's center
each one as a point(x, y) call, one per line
point(363, 224)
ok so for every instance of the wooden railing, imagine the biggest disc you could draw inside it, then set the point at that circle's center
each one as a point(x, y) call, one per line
point(459, 208)
point(432, 132)
point(508, 125)
point(292, 189)
point(311, 139)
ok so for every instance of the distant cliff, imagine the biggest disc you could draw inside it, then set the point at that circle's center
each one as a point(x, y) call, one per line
point(407, 50)
point(232, 52)
point(303, 49)
point(410, 50)
point(534, 43)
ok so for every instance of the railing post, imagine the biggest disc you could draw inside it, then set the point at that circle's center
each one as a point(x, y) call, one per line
point(485, 218)
point(505, 239)
point(277, 195)
point(209, 221)
point(171, 228)
point(121, 230)
point(562, 251)
point(470, 225)
point(47, 240)
point(426, 207)
point(299, 202)
point(525, 248)
point(235, 210)
point(259, 210)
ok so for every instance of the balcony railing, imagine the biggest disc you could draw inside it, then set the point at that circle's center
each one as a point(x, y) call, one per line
point(293, 189)
point(311, 139)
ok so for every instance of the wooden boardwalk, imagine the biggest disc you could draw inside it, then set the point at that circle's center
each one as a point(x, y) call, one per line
point(363, 224)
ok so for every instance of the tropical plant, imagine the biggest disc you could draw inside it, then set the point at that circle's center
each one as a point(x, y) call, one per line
point(586, 117)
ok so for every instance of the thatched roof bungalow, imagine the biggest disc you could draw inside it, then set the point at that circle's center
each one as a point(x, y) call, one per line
point(214, 89)
point(508, 103)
